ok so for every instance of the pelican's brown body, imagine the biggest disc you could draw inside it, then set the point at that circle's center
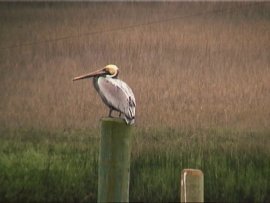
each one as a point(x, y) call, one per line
point(115, 93)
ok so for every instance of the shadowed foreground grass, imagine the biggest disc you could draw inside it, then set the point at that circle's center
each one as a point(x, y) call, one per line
point(61, 166)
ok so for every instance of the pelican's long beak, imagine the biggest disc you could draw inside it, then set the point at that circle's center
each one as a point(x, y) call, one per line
point(89, 75)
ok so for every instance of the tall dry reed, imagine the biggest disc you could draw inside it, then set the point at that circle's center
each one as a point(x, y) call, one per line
point(204, 71)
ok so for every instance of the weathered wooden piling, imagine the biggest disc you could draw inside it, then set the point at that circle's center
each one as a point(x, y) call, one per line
point(114, 161)
point(192, 186)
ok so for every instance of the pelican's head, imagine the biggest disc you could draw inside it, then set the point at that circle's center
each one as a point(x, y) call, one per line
point(108, 71)
point(111, 70)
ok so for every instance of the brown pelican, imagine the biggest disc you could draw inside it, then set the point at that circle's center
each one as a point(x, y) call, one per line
point(115, 93)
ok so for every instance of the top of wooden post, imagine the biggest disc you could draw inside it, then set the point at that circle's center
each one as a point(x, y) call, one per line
point(117, 124)
point(116, 120)
point(192, 172)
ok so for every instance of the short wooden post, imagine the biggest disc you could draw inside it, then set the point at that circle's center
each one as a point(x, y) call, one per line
point(191, 186)
point(114, 161)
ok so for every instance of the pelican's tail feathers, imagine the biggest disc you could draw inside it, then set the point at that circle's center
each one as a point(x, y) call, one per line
point(129, 121)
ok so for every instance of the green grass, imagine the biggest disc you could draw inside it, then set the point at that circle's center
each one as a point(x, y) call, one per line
point(39, 166)
point(61, 166)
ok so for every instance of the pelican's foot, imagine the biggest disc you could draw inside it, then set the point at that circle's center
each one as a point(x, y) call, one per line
point(110, 113)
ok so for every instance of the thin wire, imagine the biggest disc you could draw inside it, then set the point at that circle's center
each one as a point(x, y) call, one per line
point(232, 9)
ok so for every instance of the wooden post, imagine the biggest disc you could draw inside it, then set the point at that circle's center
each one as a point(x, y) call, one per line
point(114, 161)
point(192, 185)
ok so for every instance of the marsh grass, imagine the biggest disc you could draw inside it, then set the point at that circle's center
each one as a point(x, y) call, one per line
point(201, 83)
point(44, 166)
point(201, 71)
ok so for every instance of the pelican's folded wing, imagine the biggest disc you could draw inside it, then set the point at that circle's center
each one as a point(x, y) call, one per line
point(119, 95)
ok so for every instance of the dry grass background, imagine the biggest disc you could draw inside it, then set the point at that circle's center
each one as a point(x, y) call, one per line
point(196, 72)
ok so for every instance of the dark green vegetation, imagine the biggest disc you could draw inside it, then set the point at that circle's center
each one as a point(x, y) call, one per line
point(43, 166)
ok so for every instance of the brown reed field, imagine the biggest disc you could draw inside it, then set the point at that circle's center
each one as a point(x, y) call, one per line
point(198, 71)
point(201, 81)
